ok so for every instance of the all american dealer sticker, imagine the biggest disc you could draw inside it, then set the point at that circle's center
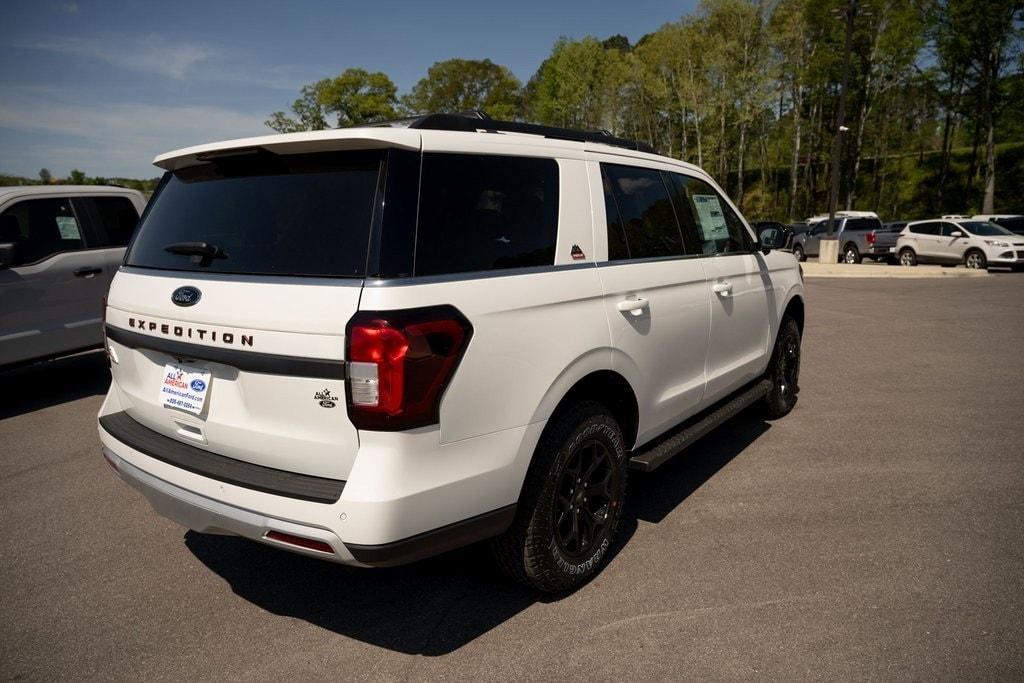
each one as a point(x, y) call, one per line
point(184, 388)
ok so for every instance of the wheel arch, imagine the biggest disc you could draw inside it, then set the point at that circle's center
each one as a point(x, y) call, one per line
point(589, 380)
point(794, 308)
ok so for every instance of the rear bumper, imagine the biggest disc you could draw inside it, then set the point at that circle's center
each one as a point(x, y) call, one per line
point(407, 497)
point(207, 515)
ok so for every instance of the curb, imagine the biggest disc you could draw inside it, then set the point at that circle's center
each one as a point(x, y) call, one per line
point(863, 270)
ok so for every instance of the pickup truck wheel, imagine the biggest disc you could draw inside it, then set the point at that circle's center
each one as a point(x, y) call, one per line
point(908, 257)
point(975, 259)
point(571, 502)
point(798, 251)
point(851, 254)
point(784, 370)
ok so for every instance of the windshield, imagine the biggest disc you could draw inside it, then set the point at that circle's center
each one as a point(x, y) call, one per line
point(259, 213)
point(984, 229)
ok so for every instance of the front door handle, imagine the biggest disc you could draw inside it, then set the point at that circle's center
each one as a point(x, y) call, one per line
point(88, 271)
point(633, 306)
point(722, 288)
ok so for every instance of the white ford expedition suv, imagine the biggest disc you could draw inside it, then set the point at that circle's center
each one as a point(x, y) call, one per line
point(371, 345)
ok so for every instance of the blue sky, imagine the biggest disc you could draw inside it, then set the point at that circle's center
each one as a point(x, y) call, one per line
point(105, 86)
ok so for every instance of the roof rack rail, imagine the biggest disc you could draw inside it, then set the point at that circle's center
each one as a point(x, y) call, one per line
point(474, 121)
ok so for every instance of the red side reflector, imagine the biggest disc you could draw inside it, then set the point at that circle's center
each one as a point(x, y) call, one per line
point(299, 541)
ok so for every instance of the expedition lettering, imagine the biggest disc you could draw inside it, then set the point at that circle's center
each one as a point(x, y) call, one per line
point(190, 332)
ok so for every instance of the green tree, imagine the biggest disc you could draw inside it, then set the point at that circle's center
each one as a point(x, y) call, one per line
point(45, 176)
point(976, 42)
point(77, 177)
point(355, 97)
point(467, 85)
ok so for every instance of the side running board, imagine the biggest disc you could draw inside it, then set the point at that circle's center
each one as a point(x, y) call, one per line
point(657, 453)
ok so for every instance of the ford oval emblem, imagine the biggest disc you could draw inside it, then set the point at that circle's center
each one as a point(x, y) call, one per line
point(186, 296)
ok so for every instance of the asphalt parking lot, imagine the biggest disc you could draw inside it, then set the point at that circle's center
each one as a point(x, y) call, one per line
point(876, 532)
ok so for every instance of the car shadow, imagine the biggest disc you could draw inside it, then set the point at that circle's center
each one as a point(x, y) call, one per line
point(50, 383)
point(436, 606)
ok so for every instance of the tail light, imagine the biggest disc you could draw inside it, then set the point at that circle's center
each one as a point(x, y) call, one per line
point(400, 363)
point(871, 238)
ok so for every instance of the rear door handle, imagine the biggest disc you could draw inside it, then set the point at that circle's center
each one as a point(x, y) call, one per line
point(88, 271)
point(722, 288)
point(634, 306)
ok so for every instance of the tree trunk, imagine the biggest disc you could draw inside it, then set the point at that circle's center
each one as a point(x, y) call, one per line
point(988, 205)
point(739, 175)
point(794, 166)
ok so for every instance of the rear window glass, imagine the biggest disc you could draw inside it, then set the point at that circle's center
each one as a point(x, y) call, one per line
point(484, 212)
point(265, 214)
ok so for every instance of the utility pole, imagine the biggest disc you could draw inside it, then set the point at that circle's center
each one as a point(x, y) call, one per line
point(837, 145)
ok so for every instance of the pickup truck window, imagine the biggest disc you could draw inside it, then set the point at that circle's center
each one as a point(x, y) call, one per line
point(859, 224)
point(41, 228)
point(118, 218)
point(645, 214)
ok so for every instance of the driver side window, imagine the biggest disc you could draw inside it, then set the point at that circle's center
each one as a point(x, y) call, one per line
point(40, 228)
point(708, 218)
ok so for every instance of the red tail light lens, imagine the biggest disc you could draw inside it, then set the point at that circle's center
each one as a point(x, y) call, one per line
point(871, 237)
point(400, 363)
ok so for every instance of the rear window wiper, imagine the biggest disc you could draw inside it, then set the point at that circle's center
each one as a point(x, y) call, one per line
point(202, 253)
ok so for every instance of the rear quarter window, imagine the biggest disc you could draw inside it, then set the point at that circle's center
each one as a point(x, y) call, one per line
point(485, 212)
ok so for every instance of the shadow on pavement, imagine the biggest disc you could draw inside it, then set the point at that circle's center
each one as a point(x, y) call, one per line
point(51, 383)
point(436, 606)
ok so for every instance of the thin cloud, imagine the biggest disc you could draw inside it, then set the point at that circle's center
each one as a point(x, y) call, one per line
point(150, 54)
point(66, 7)
point(114, 138)
point(171, 58)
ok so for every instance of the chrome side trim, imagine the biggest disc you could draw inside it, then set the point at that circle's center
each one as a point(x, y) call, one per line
point(476, 275)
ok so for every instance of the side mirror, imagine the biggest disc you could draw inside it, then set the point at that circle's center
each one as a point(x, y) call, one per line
point(956, 233)
point(7, 252)
point(771, 238)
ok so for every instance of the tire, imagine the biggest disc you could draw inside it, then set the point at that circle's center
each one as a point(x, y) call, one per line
point(798, 251)
point(908, 257)
point(784, 370)
point(851, 254)
point(552, 546)
point(975, 259)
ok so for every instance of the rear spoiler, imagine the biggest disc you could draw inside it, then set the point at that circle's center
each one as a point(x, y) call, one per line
point(296, 143)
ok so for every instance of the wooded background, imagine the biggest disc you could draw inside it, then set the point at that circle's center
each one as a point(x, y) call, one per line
point(749, 91)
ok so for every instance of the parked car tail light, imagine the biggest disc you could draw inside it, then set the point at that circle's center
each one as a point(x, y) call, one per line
point(400, 363)
point(871, 238)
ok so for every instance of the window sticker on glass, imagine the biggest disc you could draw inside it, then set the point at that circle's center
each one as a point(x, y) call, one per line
point(712, 218)
point(68, 227)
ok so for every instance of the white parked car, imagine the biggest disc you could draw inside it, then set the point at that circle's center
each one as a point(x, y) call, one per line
point(975, 244)
point(375, 344)
point(60, 246)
